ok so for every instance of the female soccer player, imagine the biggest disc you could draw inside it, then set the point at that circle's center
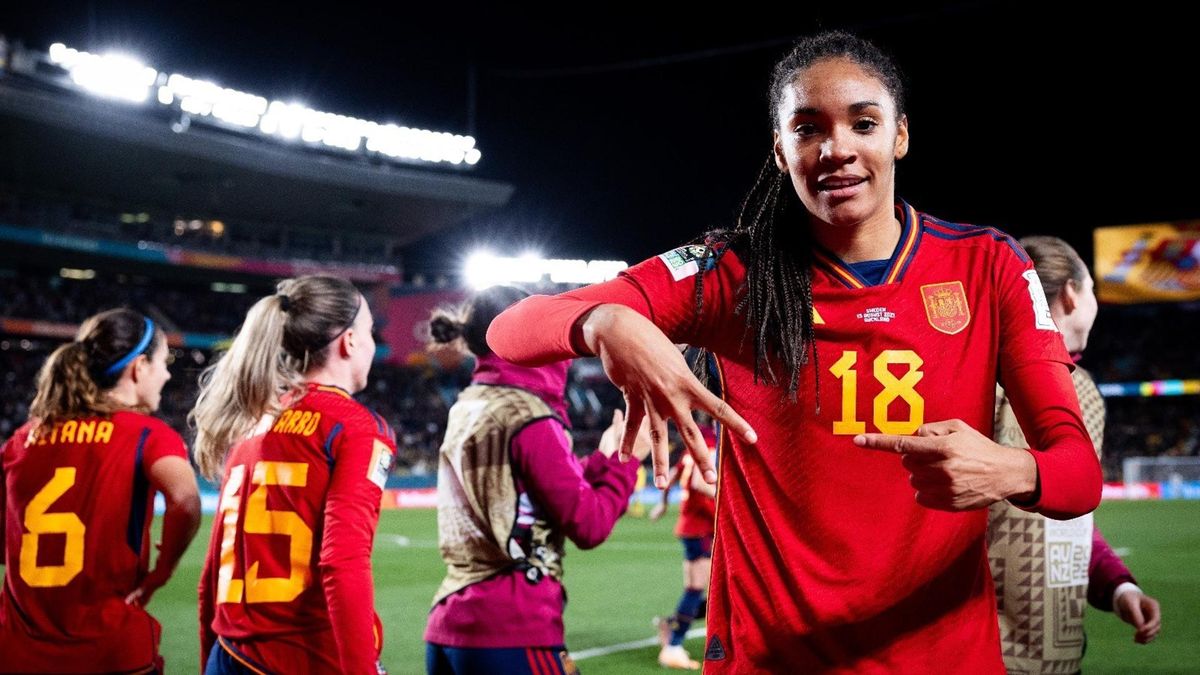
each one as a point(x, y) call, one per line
point(286, 586)
point(697, 510)
point(862, 341)
point(510, 492)
point(77, 485)
point(1062, 563)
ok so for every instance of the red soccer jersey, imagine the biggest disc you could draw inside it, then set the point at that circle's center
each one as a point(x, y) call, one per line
point(77, 510)
point(287, 581)
point(696, 510)
point(823, 561)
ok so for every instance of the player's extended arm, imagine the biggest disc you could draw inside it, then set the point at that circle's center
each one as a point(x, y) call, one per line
point(585, 506)
point(609, 320)
point(174, 478)
point(351, 516)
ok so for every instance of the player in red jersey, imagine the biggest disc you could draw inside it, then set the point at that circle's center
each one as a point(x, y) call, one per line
point(286, 586)
point(862, 341)
point(697, 509)
point(77, 485)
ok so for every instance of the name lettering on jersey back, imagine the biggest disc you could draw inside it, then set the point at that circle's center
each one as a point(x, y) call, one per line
point(302, 422)
point(876, 315)
point(78, 431)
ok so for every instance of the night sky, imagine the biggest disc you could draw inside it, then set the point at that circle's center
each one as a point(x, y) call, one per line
point(626, 134)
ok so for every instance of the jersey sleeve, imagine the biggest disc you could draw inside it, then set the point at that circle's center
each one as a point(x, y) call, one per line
point(585, 503)
point(1106, 571)
point(363, 454)
point(663, 289)
point(162, 441)
point(1035, 371)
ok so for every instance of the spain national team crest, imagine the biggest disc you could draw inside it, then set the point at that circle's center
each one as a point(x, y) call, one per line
point(946, 306)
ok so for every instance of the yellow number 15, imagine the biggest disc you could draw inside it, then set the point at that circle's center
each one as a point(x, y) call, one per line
point(893, 387)
point(260, 520)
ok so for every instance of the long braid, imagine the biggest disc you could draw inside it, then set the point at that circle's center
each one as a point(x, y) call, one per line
point(778, 305)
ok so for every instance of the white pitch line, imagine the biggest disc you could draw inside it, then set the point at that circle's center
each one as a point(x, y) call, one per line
point(1122, 551)
point(405, 542)
point(626, 646)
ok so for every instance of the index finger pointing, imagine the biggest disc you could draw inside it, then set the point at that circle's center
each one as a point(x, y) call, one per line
point(899, 444)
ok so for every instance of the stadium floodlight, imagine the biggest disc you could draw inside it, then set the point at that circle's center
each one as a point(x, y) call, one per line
point(205, 98)
point(112, 75)
point(60, 54)
point(485, 269)
point(125, 78)
point(482, 270)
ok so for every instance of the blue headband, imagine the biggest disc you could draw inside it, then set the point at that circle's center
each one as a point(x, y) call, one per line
point(137, 350)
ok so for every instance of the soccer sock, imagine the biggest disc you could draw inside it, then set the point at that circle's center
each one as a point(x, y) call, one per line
point(689, 606)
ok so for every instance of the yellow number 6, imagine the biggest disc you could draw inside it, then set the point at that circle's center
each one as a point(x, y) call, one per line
point(38, 522)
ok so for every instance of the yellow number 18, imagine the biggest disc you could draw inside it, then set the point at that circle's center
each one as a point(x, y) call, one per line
point(903, 387)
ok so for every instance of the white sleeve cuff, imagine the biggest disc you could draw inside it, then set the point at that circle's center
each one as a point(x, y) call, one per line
point(1123, 588)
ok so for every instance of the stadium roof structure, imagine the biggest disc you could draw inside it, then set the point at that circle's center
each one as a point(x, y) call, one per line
point(73, 144)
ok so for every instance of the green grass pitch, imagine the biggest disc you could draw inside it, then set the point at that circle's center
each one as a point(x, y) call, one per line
point(616, 589)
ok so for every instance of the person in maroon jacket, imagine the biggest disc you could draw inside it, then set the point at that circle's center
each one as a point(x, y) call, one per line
point(510, 490)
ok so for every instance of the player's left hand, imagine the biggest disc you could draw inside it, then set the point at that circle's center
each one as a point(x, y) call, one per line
point(953, 467)
point(154, 580)
point(1140, 611)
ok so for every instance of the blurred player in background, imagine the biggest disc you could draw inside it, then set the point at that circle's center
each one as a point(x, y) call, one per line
point(697, 511)
point(510, 492)
point(287, 585)
point(1063, 564)
point(77, 486)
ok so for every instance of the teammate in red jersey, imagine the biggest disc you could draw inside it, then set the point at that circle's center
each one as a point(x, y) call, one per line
point(77, 485)
point(862, 341)
point(286, 586)
point(697, 510)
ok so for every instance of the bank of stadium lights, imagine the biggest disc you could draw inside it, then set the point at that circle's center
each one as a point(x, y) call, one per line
point(124, 78)
point(485, 269)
